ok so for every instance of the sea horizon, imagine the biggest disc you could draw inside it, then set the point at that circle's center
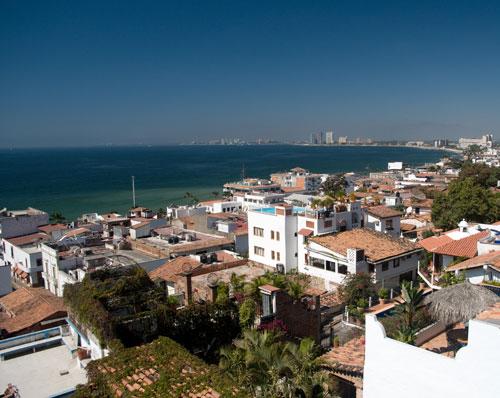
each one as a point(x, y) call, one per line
point(98, 178)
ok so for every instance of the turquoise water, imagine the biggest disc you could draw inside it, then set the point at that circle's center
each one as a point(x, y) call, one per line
point(74, 181)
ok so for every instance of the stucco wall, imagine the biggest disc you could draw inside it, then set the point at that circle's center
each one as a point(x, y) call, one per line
point(393, 368)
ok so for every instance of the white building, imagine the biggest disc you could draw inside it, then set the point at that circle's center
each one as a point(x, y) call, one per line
point(404, 370)
point(24, 256)
point(272, 236)
point(221, 206)
point(298, 178)
point(486, 141)
point(275, 233)
point(21, 222)
point(383, 219)
point(329, 138)
point(257, 200)
point(331, 257)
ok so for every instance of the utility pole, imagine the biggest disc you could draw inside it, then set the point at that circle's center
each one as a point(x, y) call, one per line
point(133, 190)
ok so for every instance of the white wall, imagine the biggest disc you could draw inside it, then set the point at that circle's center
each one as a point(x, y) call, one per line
point(398, 369)
point(286, 246)
point(5, 281)
point(22, 225)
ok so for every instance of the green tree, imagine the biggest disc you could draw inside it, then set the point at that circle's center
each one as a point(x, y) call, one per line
point(267, 367)
point(356, 287)
point(465, 200)
point(57, 217)
point(334, 185)
point(407, 310)
point(247, 313)
point(191, 198)
point(482, 174)
point(161, 213)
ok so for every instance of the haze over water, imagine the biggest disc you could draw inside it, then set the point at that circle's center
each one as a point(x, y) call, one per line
point(78, 180)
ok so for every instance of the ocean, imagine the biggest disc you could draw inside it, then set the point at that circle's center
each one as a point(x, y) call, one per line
point(79, 180)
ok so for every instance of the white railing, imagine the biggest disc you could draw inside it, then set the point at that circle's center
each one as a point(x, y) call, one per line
point(429, 283)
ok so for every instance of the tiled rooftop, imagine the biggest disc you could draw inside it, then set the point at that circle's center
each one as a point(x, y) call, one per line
point(348, 357)
point(377, 246)
point(27, 306)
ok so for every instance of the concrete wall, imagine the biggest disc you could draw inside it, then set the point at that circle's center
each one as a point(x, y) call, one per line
point(398, 369)
point(286, 225)
point(5, 281)
point(22, 225)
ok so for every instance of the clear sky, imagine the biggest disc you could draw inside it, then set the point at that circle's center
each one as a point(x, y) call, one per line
point(128, 72)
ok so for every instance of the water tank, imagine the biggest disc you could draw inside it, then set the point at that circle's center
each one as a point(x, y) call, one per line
point(203, 258)
point(213, 257)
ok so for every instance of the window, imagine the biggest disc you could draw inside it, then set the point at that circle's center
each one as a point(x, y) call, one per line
point(272, 234)
point(385, 265)
point(272, 255)
point(330, 266)
point(259, 251)
point(258, 231)
point(277, 235)
point(38, 262)
point(328, 223)
point(278, 256)
point(318, 263)
point(388, 224)
point(396, 263)
point(371, 268)
point(12, 252)
point(267, 305)
point(342, 269)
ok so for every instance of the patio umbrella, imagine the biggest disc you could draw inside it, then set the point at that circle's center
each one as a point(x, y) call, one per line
point(459, 303)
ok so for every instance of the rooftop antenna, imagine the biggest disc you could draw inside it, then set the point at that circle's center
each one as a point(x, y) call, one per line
point(133, 190)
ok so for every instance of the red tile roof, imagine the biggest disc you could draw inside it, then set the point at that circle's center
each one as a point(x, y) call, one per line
point(492, 258)
point(383, 211)
point(26, 307)
point(377, 246)
point(465, 247)
point(52, 227)
point(28, 239)
point(348, 357)
point(170, 270)
point(305, 232)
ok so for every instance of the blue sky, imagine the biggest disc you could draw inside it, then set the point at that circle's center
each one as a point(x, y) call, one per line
point(91, 73)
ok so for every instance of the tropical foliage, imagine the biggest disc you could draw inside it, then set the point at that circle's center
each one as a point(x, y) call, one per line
point(57, 218)
point(356, 287)
point(334, 185)
point(407, 311)
point(465, 199)
point(171, 372)
point(265, 366)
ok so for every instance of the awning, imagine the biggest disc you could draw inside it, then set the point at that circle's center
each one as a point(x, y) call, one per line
point(306, 232)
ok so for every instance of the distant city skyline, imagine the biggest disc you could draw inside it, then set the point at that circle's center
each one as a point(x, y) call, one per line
point(157, 73)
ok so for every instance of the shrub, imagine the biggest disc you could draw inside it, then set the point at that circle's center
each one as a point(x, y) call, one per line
point(247, 313)
point(383, 293)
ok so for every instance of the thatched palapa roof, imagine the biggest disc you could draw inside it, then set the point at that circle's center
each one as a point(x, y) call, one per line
point(459, 303)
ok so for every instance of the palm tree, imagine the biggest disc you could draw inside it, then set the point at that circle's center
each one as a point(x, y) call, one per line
point(237, 282)
point(57, 218)
point(191, 197)
point(412, 302)
point(215, 194)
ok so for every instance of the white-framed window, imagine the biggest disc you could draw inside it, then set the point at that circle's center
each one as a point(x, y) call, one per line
point(258, 231)
point(259, 251)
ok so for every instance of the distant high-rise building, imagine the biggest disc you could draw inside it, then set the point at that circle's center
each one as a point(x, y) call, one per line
point(329, 138)
point(485, 141)
point(317, 138)
point(343, 140)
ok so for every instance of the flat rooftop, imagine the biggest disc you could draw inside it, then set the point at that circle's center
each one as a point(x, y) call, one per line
point(37, 375)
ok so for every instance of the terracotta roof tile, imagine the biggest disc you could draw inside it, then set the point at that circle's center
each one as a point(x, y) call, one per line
point(383, 211)
point(377, 246)
point(465, 247)
point(27, 306)
point(52, 227)
point(492, 258)
point(28, 239)
point(170, 270)
point(350, 356)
